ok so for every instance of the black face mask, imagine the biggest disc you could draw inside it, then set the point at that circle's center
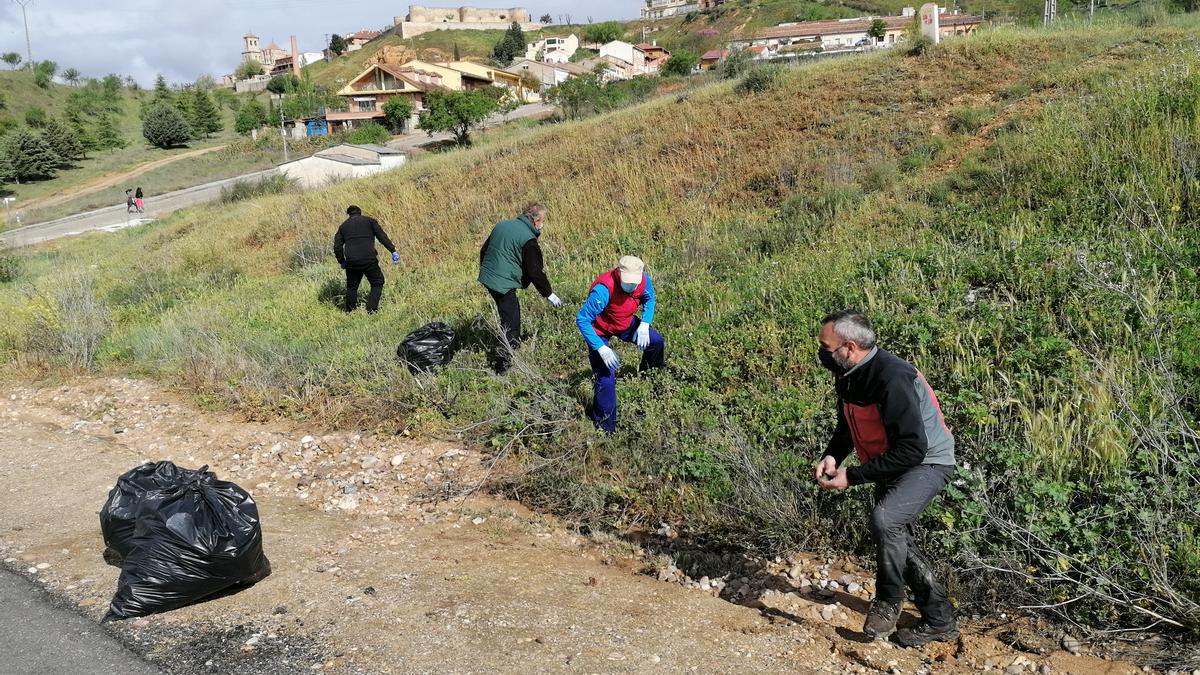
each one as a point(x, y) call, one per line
point(826, 358)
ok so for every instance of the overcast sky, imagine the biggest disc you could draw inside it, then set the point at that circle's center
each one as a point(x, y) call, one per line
point(183, 40)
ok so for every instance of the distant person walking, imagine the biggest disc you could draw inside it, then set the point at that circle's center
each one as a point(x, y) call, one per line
point(511, 259)
point(354, 248)
point(611, 311)
point(139, 201)
point(130, 205)
point(889, 416)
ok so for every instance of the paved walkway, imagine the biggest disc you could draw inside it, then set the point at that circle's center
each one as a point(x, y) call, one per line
point(38, 639)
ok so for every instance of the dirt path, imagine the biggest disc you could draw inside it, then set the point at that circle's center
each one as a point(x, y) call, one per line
point(111, 180)
point(372, 574)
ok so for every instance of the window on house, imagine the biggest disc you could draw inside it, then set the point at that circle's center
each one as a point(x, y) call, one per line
point(365, 104)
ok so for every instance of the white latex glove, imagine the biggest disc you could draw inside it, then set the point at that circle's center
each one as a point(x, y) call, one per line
point(609, 357)
point(554, 300)
point(642, 339)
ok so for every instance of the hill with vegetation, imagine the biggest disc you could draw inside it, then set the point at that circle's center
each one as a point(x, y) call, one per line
point(1016, 210)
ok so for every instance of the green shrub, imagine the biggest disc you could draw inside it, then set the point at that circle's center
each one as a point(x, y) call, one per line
point(370, 133)
point(241, 190)
point(1015, 91)
point(760, 80)
point(10, 266)
point(924, 153)
point(969, 120)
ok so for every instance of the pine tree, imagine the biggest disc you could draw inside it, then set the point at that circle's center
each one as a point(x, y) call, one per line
point(162, 92)
point(28, 156)
point(183, 103)
point(87, 140)
point(203, 115)
point(108, 136)
point(63, 141)
point(165, 126)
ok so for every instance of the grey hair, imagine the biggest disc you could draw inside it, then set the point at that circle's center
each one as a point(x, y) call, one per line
point(852, 326)
point(535, 211)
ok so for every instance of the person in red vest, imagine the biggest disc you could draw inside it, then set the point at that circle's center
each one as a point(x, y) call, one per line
point(611, 311)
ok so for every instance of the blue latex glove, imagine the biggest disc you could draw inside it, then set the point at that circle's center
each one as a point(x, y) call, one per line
point(642, 339)
point(395, 257)
point(609, 357)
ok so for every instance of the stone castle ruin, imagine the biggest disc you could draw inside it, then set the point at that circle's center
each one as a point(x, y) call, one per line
point(426, 19)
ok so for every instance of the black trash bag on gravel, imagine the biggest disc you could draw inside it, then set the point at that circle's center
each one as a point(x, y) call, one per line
point(427, 347)
point(118, 515)
point(194, 538)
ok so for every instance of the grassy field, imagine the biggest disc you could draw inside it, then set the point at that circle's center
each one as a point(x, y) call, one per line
point(1016, 210)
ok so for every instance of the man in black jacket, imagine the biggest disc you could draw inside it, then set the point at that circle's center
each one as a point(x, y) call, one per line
point(889, 416)
point(354, 247)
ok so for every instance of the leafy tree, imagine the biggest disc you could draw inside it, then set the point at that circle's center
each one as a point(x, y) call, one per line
point(251, 116)
point(510, 46)
point(397, 111)
point(458, 112)
point(204, 117)
point(681, 63)
point(225, 98)
point(111, 86)
point(248, 69)
point(43, 73)
point(205, 82)
point(27, 156)
point(72, 76)
point(547, 19)
point(165, 127)
point(578, 96)
point(286, 83)
point(64, 141)
point(370, 133)
point(108, 136)
point(337, 44)
point(13, 59)
point(309, 100)
point(878, 30)
point(36, 117)
point(604, 33)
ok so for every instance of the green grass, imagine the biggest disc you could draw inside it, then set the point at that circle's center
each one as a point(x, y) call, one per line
point(1039, 269)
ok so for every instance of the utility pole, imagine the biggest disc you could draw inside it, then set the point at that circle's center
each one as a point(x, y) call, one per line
point(25, 18)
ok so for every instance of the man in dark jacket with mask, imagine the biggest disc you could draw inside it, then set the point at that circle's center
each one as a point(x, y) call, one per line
point(354, 247)
point(889, 416)
point(511, 259)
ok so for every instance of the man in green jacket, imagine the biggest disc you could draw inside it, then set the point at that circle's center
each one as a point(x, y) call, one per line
point(511, 259)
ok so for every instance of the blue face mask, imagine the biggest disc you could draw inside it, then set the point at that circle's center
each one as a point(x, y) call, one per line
point(628, 288)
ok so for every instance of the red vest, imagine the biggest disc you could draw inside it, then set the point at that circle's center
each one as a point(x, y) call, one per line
point(622, 306)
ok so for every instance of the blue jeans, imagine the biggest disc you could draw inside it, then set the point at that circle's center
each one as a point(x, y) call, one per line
point(604, 406)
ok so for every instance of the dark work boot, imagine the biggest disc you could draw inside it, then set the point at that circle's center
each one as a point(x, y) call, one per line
point(923, 633)
point(881, 619)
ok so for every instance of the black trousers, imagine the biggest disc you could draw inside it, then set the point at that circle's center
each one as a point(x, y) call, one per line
point(509, 308)
point(354, 275)
point(898, 504)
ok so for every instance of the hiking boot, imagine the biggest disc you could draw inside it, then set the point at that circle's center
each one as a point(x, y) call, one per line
point(881, 619)
point(923, 633)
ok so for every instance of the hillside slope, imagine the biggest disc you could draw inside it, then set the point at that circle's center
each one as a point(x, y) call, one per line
point(1015, 210)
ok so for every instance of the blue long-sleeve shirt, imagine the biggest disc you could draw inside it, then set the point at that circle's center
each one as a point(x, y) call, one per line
point(595, 305)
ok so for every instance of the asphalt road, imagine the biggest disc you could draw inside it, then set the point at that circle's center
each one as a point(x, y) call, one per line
point(116, 217)
point(39, 639)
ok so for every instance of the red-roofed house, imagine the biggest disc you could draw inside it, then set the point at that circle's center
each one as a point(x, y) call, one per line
point(366, 94)
point(656, 57)
point(712, 58)
point(355, 41)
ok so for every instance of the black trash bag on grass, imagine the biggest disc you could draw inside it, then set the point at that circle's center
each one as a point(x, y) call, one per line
point(192, 539)
point(427, 347)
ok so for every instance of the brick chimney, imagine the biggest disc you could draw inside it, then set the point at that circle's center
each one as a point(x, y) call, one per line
point(295, 57)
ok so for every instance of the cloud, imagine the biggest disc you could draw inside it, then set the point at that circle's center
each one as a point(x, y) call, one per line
point(182, 40)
